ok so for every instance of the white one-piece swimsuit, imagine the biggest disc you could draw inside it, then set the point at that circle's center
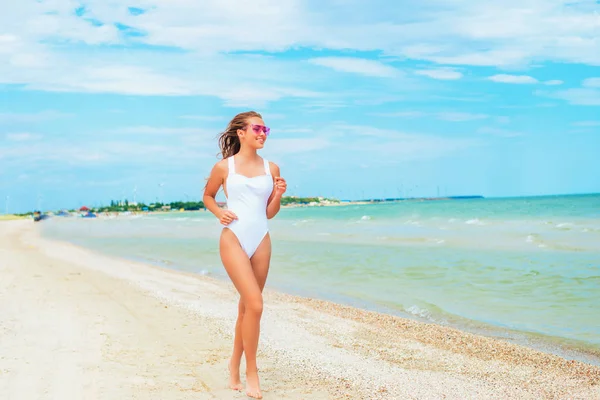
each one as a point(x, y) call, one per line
point(247, 197)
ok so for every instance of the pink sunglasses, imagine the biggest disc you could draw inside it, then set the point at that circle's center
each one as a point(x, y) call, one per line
point(258, 128)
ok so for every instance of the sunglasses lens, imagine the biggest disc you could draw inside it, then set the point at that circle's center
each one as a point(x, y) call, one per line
point(258, 128)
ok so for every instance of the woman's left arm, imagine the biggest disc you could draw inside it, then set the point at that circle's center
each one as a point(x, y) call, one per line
point(274, 203)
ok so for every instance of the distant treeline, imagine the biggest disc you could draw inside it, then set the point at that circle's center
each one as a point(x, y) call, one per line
point(302, 200)
point(122, 206)
point(127, 206)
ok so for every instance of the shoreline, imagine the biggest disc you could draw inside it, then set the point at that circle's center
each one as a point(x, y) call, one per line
point(344, 349)
point(566, 347)
point(553, 345)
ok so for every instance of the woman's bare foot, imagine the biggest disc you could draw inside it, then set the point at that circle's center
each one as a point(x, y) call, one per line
point(234, 377)
point(252, 385)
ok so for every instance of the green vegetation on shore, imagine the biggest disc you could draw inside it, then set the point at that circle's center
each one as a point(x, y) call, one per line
point(126, 206)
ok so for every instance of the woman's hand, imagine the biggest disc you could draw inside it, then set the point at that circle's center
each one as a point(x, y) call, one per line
point(226, 217)
point(280, 186)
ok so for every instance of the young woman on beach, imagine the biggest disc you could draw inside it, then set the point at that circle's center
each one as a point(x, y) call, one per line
point(253, 187)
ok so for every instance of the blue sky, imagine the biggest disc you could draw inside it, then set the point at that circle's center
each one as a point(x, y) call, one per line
point(103, 99)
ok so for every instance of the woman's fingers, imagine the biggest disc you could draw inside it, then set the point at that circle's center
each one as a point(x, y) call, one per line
point(280, 183)
point(228, 217)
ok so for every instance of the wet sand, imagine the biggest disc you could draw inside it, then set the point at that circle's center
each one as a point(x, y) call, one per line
point(79, 325)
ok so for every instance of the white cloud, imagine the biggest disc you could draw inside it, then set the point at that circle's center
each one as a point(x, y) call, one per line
point(401, 145)
point(172, 146)
point(586, 95)
point(577, 96)
point(21, 136)
point(440, 73)
point(247, 81)
point(35, 52)
point(592, 83)
point(357, 66)
point(516, 79)
point(102, 152)
point(554, 82)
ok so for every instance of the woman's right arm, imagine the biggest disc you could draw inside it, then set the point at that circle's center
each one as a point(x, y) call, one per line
point(215, 180)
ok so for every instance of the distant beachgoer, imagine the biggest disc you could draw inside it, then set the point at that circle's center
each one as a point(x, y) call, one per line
point(253, 187)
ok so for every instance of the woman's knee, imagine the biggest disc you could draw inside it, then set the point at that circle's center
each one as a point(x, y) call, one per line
point(254, 305)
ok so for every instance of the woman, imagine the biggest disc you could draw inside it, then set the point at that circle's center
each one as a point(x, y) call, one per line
point(253, 187)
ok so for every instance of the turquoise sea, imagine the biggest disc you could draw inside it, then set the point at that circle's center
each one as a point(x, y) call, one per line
point(525, 269)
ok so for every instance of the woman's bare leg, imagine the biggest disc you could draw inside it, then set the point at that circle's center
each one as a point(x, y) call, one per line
point(260, 265)
point(238, 350)
point(241, 272)
point(235, 382)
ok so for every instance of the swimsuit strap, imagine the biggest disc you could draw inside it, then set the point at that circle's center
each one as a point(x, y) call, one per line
point(231, 165)
point(267, 168)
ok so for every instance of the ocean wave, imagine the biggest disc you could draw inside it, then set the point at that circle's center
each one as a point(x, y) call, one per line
point(420, 312)
point(436, 240)
point(536, 240)
point(565, 226)
point(427, 314)
point(302, 222)
point(475, 221)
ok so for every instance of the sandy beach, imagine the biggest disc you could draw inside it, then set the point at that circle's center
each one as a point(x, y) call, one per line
point(79, 325)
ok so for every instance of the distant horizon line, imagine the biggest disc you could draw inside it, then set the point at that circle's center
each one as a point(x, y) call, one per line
point(375, 199)
point(476, 196)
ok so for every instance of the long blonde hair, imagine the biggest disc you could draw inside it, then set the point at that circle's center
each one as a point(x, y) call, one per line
point(229, 141)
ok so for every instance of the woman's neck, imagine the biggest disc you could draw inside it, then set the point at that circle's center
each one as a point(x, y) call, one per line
point(247, 153)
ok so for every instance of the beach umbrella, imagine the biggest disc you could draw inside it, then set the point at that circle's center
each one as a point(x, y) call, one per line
point(84, 208)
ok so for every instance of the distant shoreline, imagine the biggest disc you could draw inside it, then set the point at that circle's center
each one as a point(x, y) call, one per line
point(330, 203)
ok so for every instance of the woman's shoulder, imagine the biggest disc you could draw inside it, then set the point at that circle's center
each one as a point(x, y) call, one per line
point(220, 166)
point(274, 168)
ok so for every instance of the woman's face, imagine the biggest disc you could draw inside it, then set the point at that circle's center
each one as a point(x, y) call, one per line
point(255, 134)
